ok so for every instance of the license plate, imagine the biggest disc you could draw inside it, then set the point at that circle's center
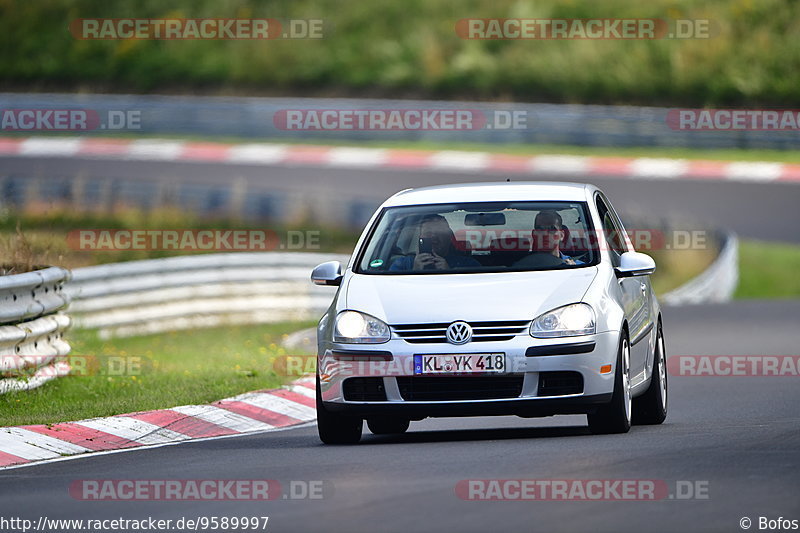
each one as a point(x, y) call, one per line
point(472, 363)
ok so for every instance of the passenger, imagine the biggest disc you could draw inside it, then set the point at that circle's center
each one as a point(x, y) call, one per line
point(434, 233)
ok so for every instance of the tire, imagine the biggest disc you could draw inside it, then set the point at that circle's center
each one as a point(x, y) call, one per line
point(334, 428)
point(387, 426)
point(651, 407)
point(615, 417)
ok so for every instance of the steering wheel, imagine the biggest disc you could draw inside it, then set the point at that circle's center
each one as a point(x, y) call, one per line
point(539, 260)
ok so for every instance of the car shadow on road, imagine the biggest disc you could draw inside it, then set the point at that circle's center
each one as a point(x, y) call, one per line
point(477, 435)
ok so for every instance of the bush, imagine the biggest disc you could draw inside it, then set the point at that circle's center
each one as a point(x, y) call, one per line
point(405, 49)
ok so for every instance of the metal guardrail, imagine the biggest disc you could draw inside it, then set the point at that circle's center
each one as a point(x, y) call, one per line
point(716, 284)
point(32, 294)
point(151, 296)
point(157, 295)
point(31, 328)
point(584, 125)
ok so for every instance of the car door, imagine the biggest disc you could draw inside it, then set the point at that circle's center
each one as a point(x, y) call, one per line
point(634, 290)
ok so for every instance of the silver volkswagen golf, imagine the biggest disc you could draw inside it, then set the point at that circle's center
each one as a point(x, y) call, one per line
point(481, 299)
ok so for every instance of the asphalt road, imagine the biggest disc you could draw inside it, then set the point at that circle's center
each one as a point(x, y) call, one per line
point(753, 210)
point(737, 437)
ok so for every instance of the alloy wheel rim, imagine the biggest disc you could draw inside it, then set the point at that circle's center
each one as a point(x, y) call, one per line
point(662, 371)
point(626, 382)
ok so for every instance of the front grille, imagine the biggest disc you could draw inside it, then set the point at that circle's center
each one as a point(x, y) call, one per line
point(481, 331)
point(560, 383)
point(364, 390)
point(443, 388)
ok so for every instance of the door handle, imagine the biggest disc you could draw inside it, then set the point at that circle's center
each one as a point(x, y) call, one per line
point(643, 286)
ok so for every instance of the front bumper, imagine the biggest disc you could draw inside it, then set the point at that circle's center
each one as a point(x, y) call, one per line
point(525, 407)
point(393, 359)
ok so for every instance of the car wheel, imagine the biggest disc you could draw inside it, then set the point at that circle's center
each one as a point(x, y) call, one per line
point(334, 428)
point(651, 407)
point(615, 417)
point(387, 426)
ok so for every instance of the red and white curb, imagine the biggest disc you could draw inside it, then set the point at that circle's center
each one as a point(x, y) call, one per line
point(352, 157)
point(247, 413)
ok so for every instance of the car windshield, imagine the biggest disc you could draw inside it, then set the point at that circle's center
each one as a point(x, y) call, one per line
point(479, 237)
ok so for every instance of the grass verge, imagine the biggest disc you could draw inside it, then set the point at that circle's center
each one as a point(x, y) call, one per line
point(40, 234)
point(676, 267)
point(768, 270)
point(178, 368)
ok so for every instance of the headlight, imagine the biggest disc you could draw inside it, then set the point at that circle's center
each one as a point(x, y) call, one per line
point(567, 321)
point(359, 328)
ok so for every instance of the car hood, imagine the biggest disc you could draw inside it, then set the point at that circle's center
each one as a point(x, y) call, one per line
point(414, 299)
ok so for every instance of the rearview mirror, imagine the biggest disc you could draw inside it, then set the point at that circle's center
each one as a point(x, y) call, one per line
point(329, 273)
point(635, 264)
point(485, 219)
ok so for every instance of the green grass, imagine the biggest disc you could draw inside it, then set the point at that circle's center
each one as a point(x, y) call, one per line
point(676, 267)
point(38, 234)
point(179, 368)
point(411, 49)
point(768, 270)
point(206, 365)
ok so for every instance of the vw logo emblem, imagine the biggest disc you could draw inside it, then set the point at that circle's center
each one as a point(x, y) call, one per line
point(459, 333)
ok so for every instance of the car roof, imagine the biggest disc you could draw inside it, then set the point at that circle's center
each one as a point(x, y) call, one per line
point(500, 191)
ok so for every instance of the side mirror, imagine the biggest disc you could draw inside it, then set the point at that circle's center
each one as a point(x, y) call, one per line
point(635, 264)
point(329, 273)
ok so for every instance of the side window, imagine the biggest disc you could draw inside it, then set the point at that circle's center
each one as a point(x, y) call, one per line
point(611, 232)
point(620, 235)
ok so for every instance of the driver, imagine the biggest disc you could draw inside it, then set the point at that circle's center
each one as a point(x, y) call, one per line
point(548, 234)
point(443, 255)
